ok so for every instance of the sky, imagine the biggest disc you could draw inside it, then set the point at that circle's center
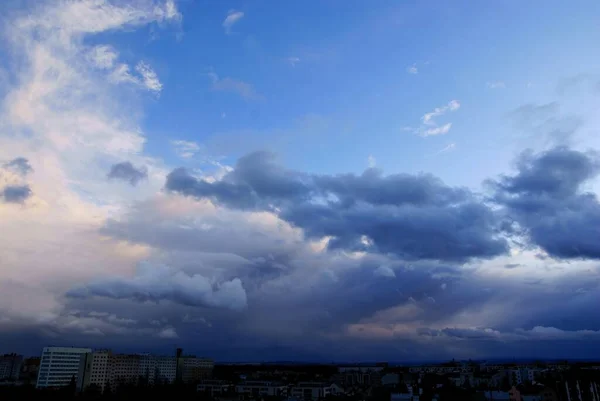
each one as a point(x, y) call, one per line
point(311, 181)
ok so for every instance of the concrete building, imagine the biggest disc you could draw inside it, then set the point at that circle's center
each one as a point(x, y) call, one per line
point(262, 388)
point(102, 367)
point(94, 369)
point(123, 368)
point(196, 369)
point(10, 366)
point(158, 368)
point(60, 365)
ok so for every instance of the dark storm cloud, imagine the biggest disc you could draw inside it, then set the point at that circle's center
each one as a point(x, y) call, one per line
point(15, 193)
point(128, 172)
point(546, 198)
point(410, 216)
point(20, 165)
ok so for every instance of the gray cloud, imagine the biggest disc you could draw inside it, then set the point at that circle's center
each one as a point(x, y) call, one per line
point(128, 172)
point(19, 165)
point(161, 283)
point(546, 199)
point(15, 193)
point(413, 217)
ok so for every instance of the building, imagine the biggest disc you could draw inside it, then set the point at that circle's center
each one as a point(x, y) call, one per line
point(10, 366)
point(158, 368)
point(350, 376)
point(102, 368)
point(262, 388)
point(59, 366)
point(196, 369)
point(314, 390)
point(29, 370)
point(94, 369)
point(214, 387)
point(123, 369)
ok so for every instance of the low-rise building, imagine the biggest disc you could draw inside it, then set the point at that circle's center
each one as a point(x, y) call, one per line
point(262, 388)
point(214, 387)
point(314, 390)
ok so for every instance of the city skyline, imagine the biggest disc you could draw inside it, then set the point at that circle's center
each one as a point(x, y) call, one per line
point(311, 181)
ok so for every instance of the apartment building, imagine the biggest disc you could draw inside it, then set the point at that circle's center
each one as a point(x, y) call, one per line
point(196, 369)
point(94, 369)
point(10, 366)
point(124, 368)
point(60, 365)
point(158, 368)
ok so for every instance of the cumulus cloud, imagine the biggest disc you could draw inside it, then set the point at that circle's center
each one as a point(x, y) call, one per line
point(414, 217)
point(161, 283)
point(128, 172)
point(232, 18)
point(547, 200)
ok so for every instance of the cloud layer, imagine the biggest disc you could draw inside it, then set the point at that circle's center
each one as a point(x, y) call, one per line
point(256, 260)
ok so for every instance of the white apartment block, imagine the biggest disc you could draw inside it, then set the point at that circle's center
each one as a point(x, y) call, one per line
point(59, 365)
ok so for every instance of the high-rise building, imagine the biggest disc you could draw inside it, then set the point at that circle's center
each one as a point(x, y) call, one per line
point(94, 369)
point(60, 365)
point(10, 366)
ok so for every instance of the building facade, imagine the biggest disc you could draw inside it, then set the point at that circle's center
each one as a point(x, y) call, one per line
point(60, 365)
point(10, 366)
point(196, 369)
point(94, 369)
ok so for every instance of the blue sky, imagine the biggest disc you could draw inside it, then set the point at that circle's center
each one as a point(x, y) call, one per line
point(301, 180)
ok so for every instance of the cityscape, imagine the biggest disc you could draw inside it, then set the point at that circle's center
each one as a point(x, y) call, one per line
point(86, 373)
